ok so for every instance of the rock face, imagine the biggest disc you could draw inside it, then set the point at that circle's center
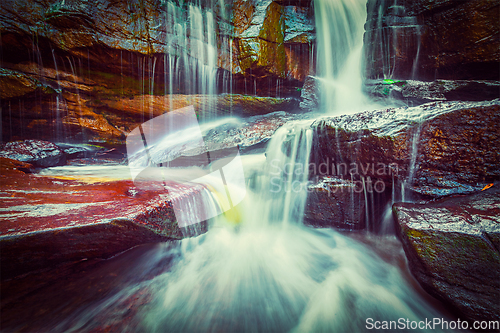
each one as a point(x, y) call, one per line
point(437, 149)
point(84, 71)
point(432, 39)
point(274, 39)
point(453, 248)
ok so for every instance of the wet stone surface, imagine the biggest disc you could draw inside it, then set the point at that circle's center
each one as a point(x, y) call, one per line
point(48, 220)
point(453, 248)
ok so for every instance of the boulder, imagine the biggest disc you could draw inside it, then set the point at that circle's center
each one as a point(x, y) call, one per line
point(431, 40)
point(436, 149)
point(39, 153)
point(453, 250)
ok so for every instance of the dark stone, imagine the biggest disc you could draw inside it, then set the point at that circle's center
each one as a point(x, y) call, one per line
point(413, 92)
point(430, 40)
point(310, 94)
point(39, 153)
point(453, 250)
point(335, 203)
point(439, 148)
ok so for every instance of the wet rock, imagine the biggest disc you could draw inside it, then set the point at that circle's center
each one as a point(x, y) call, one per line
point(274, 40)
point(111, 36)
point(261, 44)
point(205, 106)
point(310, 94)
point(49, 220)
point(250, 132)
point(91, 117)
point(16, 84)
point(429, 40)
point(335, 202)
point(10, 167)
point(75, 150)
point(453, 250)
point(39, 153)
point(221, 140)
point(413, 92)
point(440, 148)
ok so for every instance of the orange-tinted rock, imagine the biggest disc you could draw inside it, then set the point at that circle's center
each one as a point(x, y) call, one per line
point(104, 116)
point(10, 167)
point(16, 84)
point(242, 15)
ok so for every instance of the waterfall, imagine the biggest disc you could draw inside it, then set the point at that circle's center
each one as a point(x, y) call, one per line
point(267, 271)
point(283, 186)
point(192, 50)
point(339, 30)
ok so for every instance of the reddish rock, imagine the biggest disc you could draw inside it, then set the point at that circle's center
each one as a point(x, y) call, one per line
point(46, 221)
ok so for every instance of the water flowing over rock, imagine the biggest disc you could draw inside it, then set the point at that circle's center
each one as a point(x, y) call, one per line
point(432, 39)
point(49, 220)
point(438, 148)
point(81, 71)
point(453, 248)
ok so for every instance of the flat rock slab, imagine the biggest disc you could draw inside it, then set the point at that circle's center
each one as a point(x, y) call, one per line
point(37, 152)
point(45, 221)
point(453, 250)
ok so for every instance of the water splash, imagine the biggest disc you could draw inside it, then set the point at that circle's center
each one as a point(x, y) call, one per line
point(273, 274)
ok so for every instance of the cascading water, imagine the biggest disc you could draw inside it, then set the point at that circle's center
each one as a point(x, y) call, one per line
point(192, 48)
point(269, 272)
point(339, 29)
